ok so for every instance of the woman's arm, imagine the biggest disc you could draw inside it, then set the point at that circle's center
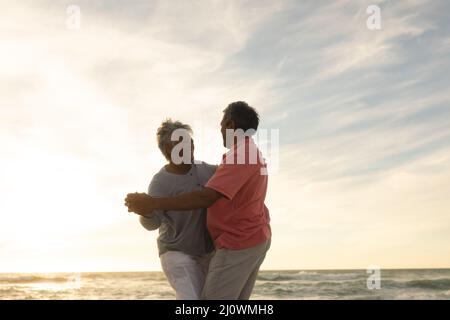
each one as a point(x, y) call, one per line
point(151, 222)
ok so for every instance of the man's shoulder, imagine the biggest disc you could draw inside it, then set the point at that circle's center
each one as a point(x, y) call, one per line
point(246, 153)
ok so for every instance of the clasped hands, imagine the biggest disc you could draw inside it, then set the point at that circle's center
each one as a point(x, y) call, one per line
point(140, 203)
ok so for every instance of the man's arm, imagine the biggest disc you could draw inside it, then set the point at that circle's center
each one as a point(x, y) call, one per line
point(194, 200)
point(144, 204)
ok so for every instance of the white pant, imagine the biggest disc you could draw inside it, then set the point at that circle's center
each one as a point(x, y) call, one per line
point(185, 273)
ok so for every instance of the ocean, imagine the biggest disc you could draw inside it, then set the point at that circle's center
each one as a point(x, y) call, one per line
point(294, 284)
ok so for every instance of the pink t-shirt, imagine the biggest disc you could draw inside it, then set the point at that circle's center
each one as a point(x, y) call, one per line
point(240, 220)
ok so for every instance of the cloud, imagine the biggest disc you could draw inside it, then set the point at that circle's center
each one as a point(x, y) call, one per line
point(363, 117)
point(80, 109)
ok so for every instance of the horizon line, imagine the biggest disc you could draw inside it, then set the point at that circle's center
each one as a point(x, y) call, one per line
point(264, 270)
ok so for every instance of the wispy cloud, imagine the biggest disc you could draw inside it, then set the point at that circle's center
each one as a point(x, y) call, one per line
point(363, 118)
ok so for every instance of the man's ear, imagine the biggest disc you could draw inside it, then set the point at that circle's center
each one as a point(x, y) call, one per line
point(230, 124)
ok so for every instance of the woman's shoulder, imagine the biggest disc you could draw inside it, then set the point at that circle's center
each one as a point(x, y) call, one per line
point(206, 169)
point(159, 182)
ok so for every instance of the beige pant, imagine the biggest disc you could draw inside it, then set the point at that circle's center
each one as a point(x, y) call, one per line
point(232, 273)
point(185, 273)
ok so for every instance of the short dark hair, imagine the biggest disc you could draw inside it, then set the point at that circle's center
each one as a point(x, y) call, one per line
point(243, 116)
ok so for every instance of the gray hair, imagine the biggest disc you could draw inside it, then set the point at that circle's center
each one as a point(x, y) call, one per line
point(164, 133)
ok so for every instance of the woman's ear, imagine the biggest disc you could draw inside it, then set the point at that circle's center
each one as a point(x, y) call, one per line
point(168, 151)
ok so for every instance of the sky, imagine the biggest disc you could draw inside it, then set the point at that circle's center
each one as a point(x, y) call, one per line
point(363, 118)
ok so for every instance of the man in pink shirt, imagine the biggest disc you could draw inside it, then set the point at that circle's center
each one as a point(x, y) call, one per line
point(237, 218)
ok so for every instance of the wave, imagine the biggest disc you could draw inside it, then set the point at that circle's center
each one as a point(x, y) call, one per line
point(139, 276)
point(433, 284)
point(32, 279)
point(275, 284)
point(309, 276)
point(274, 278)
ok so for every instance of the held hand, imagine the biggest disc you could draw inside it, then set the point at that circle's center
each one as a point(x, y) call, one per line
point(139, 203)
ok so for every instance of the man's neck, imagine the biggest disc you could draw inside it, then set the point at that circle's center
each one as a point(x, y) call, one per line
point(240, 140)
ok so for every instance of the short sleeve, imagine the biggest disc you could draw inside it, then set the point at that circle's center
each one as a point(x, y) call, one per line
point(229, 178)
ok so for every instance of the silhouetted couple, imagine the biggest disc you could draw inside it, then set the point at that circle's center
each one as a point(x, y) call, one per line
point(214, 228)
